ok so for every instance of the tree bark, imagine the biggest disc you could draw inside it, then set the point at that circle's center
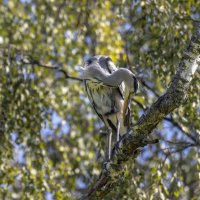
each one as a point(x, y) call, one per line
point(127, 147)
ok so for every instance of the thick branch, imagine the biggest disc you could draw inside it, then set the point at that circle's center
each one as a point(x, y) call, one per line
point(128, 146)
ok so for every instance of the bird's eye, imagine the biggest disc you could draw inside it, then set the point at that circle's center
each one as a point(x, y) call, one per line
point(108, 59)
point(89, 61)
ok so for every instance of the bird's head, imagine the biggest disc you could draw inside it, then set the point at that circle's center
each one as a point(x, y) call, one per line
point(131, 87)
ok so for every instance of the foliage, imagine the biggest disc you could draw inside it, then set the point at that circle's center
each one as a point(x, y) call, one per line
point(50, 141)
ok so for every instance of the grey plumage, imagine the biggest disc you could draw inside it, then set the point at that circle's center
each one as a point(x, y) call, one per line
point(109, 90)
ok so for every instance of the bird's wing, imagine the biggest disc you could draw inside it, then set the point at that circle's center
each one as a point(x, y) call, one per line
point(111, 69)
point(89, 93)
point(105, 120)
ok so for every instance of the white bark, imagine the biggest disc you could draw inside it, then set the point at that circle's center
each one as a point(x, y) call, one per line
point(172, 99)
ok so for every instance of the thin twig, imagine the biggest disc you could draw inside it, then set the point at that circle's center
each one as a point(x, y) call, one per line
point(32, 61)
point(139, 104)
point(149, 88)
point(35, 62)
point(187, 18)
point(171, 120)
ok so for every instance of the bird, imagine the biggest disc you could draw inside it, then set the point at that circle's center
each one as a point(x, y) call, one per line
point(109, 90)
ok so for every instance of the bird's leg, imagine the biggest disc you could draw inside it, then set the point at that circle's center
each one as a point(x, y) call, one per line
point(118, 128)
point(109, 143)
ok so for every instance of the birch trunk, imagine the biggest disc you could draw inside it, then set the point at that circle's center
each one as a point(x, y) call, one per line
point(174, 97)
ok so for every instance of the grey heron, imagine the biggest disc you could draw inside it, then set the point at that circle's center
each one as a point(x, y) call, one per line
point(109, 90)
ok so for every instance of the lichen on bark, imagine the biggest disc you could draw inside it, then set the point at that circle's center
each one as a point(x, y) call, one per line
point(174, 97)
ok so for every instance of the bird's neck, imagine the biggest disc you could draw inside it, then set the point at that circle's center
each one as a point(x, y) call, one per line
point(117, 77)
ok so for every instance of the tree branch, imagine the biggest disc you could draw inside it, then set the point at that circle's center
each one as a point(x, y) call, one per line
point(37, 63)
point(185, 17)
point(128, 146)
point(169, 119)
point(27, 59)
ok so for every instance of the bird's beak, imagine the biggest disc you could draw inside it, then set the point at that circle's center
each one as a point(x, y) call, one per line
point(126, 103)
